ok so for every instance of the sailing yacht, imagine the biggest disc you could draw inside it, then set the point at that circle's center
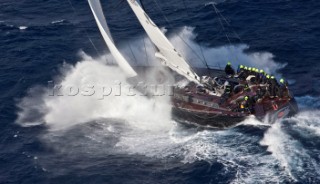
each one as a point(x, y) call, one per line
point(203, 101)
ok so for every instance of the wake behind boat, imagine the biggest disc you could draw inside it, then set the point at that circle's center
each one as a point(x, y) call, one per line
point(222, 99)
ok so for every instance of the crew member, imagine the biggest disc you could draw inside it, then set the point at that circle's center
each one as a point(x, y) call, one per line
point(257, 75)
point(268, 84)
point(229, 70)
point(283, 82)
point(253, 71)
point(268, 77)
point(245, 73)
point(283, 89)
point(249, 71)
point(240, 69)
point(246, 105)
point(262, 77)
point(274, 86)
point(242, 72)
point(257, 72)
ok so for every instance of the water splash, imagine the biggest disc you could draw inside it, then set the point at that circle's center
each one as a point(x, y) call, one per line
point(141, 126)
point(184, 42)
point(297, 161)
point(72, 109)
point(218, 57)
point(109, 98)
point(276, 141)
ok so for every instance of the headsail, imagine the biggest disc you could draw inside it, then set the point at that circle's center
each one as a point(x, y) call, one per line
point(167, 53)
point(103, 27)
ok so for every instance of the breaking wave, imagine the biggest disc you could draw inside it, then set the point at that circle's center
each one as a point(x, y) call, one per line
point(23, 27)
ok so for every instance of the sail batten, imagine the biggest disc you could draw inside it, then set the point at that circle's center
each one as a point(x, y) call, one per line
point(166, 52)
point(96, 9)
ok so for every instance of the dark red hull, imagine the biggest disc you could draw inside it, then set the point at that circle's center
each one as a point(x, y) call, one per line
point(206, 110)
point(206, 119)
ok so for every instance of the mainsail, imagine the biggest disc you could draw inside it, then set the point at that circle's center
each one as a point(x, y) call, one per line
point(166, 52)
point(103, 27)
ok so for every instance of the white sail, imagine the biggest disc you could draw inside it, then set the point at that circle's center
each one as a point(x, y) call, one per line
point(167, 53)
point(103, 27)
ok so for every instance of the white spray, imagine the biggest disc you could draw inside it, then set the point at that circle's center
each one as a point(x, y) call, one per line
point(152, 132)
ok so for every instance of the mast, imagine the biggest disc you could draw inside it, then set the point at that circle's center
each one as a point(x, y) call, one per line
point(168, 55)
point(96, 9)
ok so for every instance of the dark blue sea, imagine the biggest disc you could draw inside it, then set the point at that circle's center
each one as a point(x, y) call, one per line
point(75, 138)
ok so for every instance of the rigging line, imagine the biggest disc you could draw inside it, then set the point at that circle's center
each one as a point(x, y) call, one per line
point(216, 10)
point(226, 21)
point(230, 47)
point(220, 16)
point(204, 58)
point(223, 28)
point(176, 33)
point(232, 50)
point(75, 13)
point(233, 31)
point(206, 63)
point(134, 57)
point(145, 50)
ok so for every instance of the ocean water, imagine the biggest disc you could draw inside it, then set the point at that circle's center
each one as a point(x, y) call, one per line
point(112, 139)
